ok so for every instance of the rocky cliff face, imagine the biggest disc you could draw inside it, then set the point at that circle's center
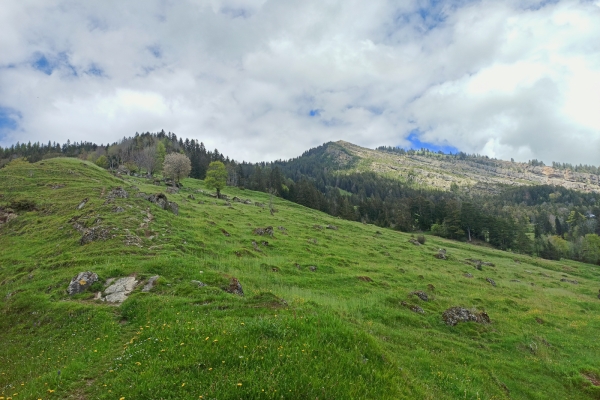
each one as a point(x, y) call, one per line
point(441, 172)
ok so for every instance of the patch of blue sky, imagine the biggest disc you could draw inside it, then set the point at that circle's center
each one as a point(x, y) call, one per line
point(155, 50)
point(9, 120)
point(417, 144)
point(314, 113)
point(540, 4)
point(95, 70)
point(48, 64)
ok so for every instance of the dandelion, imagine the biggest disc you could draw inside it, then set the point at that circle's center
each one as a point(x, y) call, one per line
point(183, 384)
point(210, 369)
point(50, 390)
point(122, 398)
point(207, 338)
point(239, 384)
point(182, 344)
point(138, 363)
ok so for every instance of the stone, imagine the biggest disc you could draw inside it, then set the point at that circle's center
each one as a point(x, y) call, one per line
point(174, 207)
point(81, 282)
point(198, 283)
point(118, 209)
point(6, 215)
point(83, 203)
point(467, 275)
point(312, 268)
point(413, 308)
point(364, 278)
point(454, 315)
point(235, 287)
point(191, 197)
point(491, 281)
point(574, 282)
point(150, 284)
point(264, 231)
point(420, 294)
point(172, 190)
point(118, 291)
point(225, 232)
point(441, 254)
point(317, 227)
point(414, 241)
point(93, 234)
point(118, 192)
point(332, 227)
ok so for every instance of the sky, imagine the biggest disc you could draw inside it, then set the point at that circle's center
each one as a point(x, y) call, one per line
point(268, 79)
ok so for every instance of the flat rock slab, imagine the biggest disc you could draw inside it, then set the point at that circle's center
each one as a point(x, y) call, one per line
point(81, 282)
point(118, 291)
point(150, 284)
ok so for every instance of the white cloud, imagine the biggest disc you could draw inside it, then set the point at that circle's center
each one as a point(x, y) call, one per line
point(504, 78)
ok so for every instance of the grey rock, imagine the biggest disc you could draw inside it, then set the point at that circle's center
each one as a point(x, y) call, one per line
point(83, 203)
point(118, 291)
point(235, 287)
point(81, 282)
point(574, 282)
point(454, 315)
point(441, 254)
point(312, 268)
point(467, 275)
point(491, 281)
point(150, 284)
point(413, 308)
point(200, 284)
point(93, 234)
point(421, 294)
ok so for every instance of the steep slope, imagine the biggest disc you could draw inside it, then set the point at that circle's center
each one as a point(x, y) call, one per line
point(326, 313)
point(440, 171)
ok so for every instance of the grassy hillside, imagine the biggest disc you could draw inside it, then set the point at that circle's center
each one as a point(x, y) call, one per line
point(321, 316)
point(473, 174)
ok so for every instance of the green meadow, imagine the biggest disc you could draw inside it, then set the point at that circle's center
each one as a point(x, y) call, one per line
point(322, 316)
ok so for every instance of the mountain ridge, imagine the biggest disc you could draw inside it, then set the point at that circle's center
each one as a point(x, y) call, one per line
point(441, 171)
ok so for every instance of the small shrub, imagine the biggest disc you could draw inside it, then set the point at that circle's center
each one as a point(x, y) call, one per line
point(421, 239)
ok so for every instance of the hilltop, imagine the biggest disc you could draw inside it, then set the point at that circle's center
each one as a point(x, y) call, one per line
point(330, 308)
point(441, 171)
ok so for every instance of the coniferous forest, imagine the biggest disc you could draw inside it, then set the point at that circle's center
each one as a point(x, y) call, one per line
point(547, 221)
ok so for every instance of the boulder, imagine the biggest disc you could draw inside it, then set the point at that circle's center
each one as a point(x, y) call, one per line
point(413, 308)
point(454, 315)
point(491, 281)
point(264, 231)
point(235, 287)
point(441, 254)
point(117, 192)
point(81, 282)
point(93, 234)
point(118, 291)
point(574, 282)
point(421, 294)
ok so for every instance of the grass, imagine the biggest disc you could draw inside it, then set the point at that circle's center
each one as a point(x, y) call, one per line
point(297, 333)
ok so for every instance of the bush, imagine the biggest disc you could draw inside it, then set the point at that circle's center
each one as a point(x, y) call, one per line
point(421, 239)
